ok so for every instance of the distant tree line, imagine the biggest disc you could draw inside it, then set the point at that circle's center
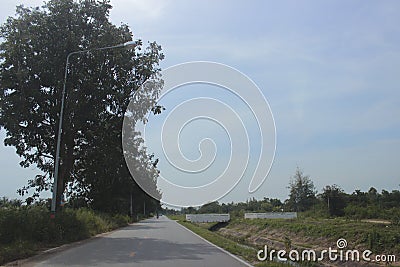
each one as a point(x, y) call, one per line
point(303, 197)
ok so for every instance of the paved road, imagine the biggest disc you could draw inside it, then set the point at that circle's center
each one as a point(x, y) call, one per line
point(153, 242)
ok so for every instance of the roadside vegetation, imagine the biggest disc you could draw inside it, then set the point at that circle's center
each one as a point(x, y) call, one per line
point(25, 230)
point(332, 202)
point(237, 248)
point(367, 220)
point(244, 237)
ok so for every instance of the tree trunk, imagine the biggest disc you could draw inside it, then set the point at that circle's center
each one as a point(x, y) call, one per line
point(66, 166)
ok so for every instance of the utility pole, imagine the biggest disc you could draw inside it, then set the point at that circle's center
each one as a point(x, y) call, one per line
point(144, 207)
point(131, 207)
point(58, 181)
point(328, 206)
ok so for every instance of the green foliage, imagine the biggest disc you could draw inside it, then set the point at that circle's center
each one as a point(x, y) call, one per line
point(17, 250)
point(237, 209)
point(33, 52)
point(332, 202)
point(335, 199)
point(345, 219)
point(238, 213)
point(212, 207)
point(302, 192)
point(176, 217)
point(380, 237)
point(26, 229)
point(7, 203)
point(233, 244)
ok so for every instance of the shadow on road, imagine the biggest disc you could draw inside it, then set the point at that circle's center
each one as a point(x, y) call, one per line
point(130, 250)
point(154, 242)
point(138, 227)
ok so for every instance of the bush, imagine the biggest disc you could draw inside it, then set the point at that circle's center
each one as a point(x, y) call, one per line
point(24, 230)
point(121, 220)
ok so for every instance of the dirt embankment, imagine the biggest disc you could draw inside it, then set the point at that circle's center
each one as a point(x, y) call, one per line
point(278, 239)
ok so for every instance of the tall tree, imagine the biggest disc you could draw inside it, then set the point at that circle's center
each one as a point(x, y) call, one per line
point(335, 199)
point(302, 191)
point(99, 87)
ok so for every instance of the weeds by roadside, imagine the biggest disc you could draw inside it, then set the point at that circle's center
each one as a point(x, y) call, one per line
point(28, 229)
point(243, 251)
point(301, 233)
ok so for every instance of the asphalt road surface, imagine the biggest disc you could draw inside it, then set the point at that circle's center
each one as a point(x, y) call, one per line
point(154, 242)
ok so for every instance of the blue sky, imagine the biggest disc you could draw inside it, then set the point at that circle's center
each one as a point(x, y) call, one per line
point(329, 70)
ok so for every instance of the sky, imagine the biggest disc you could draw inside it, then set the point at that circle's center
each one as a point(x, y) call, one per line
point(328, 69)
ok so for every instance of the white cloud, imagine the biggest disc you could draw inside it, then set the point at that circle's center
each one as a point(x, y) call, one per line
point(138, 10)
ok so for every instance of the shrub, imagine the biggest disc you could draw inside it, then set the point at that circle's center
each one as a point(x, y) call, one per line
point(23, 230)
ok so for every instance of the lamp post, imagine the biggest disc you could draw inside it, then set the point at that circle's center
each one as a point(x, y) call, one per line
point(57, 159)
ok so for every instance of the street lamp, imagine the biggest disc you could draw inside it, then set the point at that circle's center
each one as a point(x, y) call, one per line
point(57, 160)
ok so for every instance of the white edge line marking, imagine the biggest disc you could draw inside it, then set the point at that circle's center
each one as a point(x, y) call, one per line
point(223, 250)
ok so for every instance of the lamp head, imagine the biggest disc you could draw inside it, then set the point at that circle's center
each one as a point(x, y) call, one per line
point(130, 44)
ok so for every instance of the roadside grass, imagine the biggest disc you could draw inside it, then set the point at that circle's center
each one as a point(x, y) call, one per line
point(246, 252)
point(26, 230)
point(378, 237)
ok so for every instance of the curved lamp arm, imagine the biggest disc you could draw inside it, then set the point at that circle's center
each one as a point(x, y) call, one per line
point(129, 44)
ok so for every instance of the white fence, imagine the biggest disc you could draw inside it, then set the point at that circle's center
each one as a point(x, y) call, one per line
point(271, 215)
point(199, 218)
